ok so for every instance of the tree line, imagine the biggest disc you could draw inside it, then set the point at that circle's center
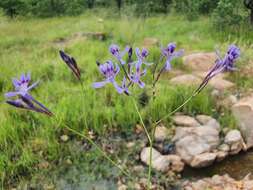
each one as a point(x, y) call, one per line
point(223, 12)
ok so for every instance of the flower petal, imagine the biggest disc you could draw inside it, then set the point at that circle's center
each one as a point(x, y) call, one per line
point(33, 85)
point(117, 87)
point(99, 84)
point(141, 84)
point(167, 65)
point(11, 94)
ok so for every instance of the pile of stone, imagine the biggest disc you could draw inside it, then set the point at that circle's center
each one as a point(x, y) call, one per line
point(219, 183)
point(197, 143)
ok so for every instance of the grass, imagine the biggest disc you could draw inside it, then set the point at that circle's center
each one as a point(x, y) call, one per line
point(27, 139)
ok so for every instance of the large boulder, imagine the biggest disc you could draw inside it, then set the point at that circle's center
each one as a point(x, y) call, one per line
point(190, 142)
point(243, 111)
point(186, 80)
point(199, 61)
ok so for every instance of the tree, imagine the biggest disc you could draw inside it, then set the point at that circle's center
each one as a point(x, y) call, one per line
point(11, 7)
point(249, 5)
point(119, 4)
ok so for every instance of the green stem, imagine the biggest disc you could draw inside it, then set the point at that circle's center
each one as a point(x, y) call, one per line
point(83, 101)
point(175, 110)
point(150, 143)
point(100, 150)
point(95, 145)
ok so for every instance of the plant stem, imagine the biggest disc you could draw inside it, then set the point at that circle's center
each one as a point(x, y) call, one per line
point(95, 145)
point(178, 108)
point(100, 150)
point(150, 143)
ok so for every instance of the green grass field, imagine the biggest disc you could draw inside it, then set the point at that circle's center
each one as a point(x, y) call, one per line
point(28, 139)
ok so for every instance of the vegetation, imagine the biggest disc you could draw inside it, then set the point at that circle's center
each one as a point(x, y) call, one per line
point(29, 139)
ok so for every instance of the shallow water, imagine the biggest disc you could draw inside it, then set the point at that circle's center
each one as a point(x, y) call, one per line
point(237, 166)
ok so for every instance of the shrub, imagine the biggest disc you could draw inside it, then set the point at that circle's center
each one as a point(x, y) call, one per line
point(228, 13)
point(192, 8)
point(11, 7)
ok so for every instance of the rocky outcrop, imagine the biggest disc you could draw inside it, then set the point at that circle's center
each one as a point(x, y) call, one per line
point(199, 61)
point(219, 183)
point(186, 80)
point(191, 142)
point(160, 162)
point(243, 111)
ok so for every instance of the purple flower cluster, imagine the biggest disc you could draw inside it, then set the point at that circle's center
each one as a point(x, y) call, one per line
point(133, 74)
point(222, 65)
point(169, 53)
point(135, 69)
point(21, 98)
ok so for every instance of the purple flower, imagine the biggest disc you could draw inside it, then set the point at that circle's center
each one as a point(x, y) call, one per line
point(142, 55)
point(24, 99)
point(71, 62)
point(115, 51)
point(169, 53)
point(136, 76)
point(222, 65)
point(109, 71)
point(124, 86)
point(21, 86)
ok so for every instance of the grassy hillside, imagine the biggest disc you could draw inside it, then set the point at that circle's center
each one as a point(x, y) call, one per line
point(29, 139)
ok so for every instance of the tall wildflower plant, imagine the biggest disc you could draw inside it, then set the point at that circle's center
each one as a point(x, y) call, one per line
point(134, 67)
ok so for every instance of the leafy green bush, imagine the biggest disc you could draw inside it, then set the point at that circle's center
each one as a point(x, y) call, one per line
point(147, 7)
point(192, 8)
point(12, 7)
point(228, 13)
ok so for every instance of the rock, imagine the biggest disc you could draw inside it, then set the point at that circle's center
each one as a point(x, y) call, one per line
point(243, 112)
point(162, 163)
point(138, 129)
point(43, 165)
point(203, 160)
point(215, 93)
point(221, 84)
point(122, 187)
point(203, 119)
point(219, 183)
point(224, 148)
point(192, 141)
point(159, 162)
point(64, 138)
point(176, 163)
point(235, 140)
point(150, 42)
point(229, 101)
point(186, 79)
point(209, 121)
point(233, 136)
point(199, 61)
point(130, 145)
point(221, 155)
point(161, 133)
point(184, 120)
